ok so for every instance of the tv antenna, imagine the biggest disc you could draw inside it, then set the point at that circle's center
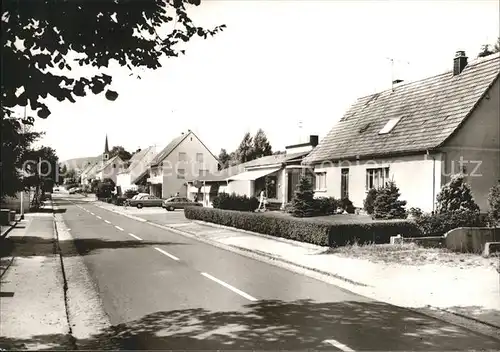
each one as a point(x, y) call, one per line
point(393, 80)
point(300, 130)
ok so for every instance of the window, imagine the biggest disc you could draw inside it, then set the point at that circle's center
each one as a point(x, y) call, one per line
point(376, 178)
point(182, 156)
point(199, 157)
point(271, 186)
point(389, 125)
point(320, 181)
point(180, 173)
point(203, 172)
point(344, 183)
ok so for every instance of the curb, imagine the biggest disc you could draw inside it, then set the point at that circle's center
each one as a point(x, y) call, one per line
point(6, 231)
point(468, 317)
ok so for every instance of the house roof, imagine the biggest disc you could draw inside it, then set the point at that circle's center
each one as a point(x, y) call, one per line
point(274, 159)
point(171, 147)
point(140, 166)
point(430, 111)
point(168, 149)
point(136, 159)
point(92, 171)
point(109, 162)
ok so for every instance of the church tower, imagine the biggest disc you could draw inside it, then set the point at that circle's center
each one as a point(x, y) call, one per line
point(105, 156)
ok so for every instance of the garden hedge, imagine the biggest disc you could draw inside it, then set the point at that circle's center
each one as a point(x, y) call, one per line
point(319, 232)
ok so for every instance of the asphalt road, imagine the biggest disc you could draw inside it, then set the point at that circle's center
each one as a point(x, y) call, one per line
point(162, 290)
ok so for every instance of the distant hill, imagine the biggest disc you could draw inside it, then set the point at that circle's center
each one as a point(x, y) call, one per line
point(78, 164)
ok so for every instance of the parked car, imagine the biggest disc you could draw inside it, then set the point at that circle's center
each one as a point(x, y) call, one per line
point(137, 196)
point(75, 190)
point(145, 201)
point(178, 203)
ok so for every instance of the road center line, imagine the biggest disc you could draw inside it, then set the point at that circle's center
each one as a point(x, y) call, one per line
point(92, 213)
point(99, 217)
point(226, 285)
point(167, 254)
point(107, 222)
point(339, 345)
point(119, 228)
point(136, 237)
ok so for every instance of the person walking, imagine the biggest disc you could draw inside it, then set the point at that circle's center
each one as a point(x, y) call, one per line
point(262, 201)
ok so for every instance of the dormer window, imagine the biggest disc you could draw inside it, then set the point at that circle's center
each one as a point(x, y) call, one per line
point(389, 126)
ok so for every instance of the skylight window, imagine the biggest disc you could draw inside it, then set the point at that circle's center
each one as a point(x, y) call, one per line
point(389, 126)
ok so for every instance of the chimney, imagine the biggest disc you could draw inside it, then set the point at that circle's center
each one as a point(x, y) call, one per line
point(313, 140)
point(459, 62)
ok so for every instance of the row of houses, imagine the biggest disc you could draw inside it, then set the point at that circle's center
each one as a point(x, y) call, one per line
point(417, 134)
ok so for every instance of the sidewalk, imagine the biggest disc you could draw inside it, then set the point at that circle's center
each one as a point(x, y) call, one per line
point(32, 307)
point(472, 291)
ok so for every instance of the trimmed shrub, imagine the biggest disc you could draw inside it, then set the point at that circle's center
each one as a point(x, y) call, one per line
point(456, 195)
point(325, 206)
point(494, 202)
point(305, 229)
point(440, 223)
point(235, 202)
point(368, 203)
point(387, 204)
point(346, 205)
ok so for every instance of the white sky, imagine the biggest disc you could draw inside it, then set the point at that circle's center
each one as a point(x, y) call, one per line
point(277, 62)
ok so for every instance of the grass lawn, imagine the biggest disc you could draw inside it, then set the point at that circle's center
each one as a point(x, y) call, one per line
point(412, 254)
point(336, 219)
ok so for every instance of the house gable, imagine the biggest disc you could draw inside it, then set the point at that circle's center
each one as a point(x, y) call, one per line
point(427, 113)
point(190, 147)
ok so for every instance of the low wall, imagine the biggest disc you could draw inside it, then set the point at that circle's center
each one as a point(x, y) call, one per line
point(426, 242)
point(471, 239)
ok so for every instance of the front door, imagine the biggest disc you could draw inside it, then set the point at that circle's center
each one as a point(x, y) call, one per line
point(293, 181)
point(344, 184)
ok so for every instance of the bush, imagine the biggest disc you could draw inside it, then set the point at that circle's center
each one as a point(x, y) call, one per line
point(130, 193)
point(317, 232)
point(494, 202)
point(303, 200)
point(325, 206)
point(346, 205)
point(415, 212)
point(456, 195)
point(370, 200)
point(235, 202)
point(387, 204)
point(440, 223)
point(105, 188)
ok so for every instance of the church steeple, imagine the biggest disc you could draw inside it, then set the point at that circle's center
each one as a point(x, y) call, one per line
point(105, 156)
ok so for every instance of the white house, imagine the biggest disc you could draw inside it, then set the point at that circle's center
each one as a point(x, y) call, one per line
point(183, 158)
point(417, 134)
point(138, 165)
point(278, 175)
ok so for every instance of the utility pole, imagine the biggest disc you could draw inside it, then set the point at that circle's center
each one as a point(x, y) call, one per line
point(21, 211)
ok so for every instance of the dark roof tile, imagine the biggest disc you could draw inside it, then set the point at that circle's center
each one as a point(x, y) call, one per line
point(430, 109)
